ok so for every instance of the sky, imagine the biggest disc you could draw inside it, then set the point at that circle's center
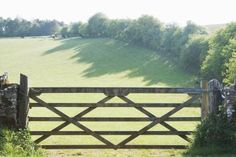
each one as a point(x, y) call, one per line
point(201, 12)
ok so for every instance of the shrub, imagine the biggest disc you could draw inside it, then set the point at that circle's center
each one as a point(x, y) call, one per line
point(17, 143)
point(214, 135)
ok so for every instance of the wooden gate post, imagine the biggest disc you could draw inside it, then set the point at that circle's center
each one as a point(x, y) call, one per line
point(204, 100)
point(211, 98)
point(215, 98)
point(23, 102)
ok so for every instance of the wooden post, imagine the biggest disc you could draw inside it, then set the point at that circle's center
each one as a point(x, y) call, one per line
point(215, 99)
point(23, 102)
point(204, 100)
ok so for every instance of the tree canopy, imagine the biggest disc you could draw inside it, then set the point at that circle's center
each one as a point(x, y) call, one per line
point(20, 27)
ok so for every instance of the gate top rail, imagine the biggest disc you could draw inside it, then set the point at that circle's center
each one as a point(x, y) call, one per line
point(39, 90)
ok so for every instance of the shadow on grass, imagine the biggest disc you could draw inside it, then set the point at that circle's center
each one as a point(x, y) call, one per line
point(108, 56)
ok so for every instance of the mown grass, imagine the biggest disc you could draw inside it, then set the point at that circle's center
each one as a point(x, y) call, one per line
point(86, 62)
point(97, 62)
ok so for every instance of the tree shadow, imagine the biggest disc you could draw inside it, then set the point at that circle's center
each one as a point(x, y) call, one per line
point(108, 56)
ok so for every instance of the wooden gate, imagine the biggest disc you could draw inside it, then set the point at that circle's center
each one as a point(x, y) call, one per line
point(109, 93)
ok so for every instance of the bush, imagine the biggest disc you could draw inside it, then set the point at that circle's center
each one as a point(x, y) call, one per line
point(214, 135)
point(17, 143)
point(193, 54)
point(221, 49)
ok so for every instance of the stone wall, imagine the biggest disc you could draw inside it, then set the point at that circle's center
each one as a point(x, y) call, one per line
point(8, 102)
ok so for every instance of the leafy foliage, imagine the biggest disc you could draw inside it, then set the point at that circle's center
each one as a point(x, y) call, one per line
point(20, 27)
point(172, 41)
point(17, 143)
point(231, 66)
point(194, 53)
point(149, 32)
point(214, 135)
point(219, 54)
point(145, 31)
point(97, 25)
point(64, 32)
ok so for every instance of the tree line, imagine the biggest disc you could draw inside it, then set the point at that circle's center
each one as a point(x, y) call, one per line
point(185, 46)
point(18, 27)
point(190, 47)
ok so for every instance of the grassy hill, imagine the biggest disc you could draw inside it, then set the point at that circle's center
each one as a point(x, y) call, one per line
point(86, 62)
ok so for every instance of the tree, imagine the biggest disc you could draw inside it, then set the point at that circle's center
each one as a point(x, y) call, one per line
point(24, 28)
point(11, 27)
point(2, 27)
point(75, 29)
point(191, 29)
point(116, 29)
point(151, 32)
point(214, 65)
point(64, 32)
point(146, 31)
point(83, 30)
point(20, 27)
point(231, 65)
point(97, 25)
point(194, 53)
point(172, 43)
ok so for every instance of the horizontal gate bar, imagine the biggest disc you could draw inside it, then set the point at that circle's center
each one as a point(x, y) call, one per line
point(114, 105)
point(118, 119)
point(111, 132)
point(114, 90)
point(108, 147)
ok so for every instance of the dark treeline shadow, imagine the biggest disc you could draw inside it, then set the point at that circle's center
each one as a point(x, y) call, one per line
point(108, 56)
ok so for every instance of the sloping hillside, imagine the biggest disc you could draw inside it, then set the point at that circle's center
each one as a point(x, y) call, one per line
point(86, 62)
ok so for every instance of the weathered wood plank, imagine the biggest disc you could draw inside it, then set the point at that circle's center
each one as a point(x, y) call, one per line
point(109, 147)
point(111, 133)
point(116, 119)
point(107, 90)
point(23, 103)
point(204, 100)
point(193, 105)
point(215, 99)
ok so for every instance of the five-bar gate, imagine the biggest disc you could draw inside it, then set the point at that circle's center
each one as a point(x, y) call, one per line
point(194, 97)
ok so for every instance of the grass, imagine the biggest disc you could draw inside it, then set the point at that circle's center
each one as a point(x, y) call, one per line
point(97, 62)
point(17, 144)
point(86, 62)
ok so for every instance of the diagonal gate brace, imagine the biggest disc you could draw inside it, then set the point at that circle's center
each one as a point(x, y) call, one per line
point(73, 121)
point(149, 114)
point(156, 121)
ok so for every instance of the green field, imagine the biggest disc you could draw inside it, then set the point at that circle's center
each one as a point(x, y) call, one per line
point(86, 62)
point(97, 62)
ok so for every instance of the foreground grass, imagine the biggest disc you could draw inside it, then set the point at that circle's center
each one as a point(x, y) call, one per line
point(17, 144)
